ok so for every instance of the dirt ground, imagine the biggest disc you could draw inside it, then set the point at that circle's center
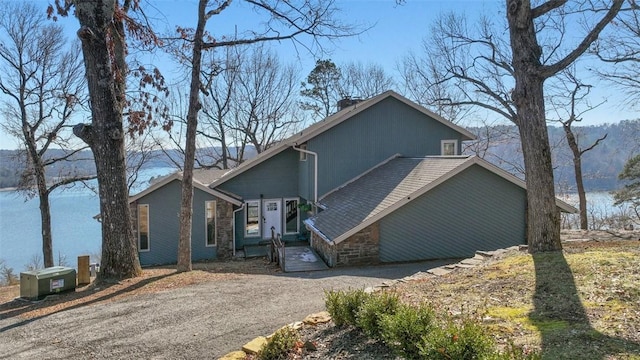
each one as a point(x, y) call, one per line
point(163, 315)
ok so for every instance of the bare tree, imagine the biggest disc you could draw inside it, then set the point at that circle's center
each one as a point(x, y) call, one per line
point(364, 81)
point(266, 108)
point(217, 109)
point(42, 79)
point(569, 110)
point(424, 83)
point(285, 21)
point(620, 48)
point(140, 151)
point(507, 77)
point(530, 73)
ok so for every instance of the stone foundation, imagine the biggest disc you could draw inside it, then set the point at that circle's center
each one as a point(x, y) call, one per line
point(362, 248)
point(224, 240)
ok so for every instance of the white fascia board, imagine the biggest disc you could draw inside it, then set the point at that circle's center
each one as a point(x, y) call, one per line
point(216, 193)
point(310, 225)
point(178, 176)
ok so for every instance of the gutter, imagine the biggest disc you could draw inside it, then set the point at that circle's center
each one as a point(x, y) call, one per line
point(315, 172)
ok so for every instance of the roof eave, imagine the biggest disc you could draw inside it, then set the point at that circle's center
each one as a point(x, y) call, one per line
point(167, 179)
point(178, 176)
point(311, 226)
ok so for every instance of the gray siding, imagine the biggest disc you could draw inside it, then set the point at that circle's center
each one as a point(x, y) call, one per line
point(274, 178)
point(474, 210)
point(164, 213)
point(368, 138)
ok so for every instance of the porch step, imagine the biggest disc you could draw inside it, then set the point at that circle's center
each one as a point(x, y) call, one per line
point(302, 258)
point(252, 251)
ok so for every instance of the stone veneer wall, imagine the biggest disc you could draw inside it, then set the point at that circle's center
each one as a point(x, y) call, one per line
point(326, 251)
point(362, 248)
point(224, 212)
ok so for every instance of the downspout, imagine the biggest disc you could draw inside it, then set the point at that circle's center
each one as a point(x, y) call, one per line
point(233, 228)
point(315, 172)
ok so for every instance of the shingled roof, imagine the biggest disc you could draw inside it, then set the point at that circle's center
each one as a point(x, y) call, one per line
point(386, 188)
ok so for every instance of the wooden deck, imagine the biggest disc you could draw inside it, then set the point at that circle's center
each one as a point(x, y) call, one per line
point(302, 258)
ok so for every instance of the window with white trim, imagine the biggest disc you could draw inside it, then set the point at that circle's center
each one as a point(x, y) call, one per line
point(291, 217)
point(252, 218)
point(143, 227)
point(449, 147)
point(210, 221)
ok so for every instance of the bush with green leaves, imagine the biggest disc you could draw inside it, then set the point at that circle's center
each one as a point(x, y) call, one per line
point(373, 309)
point(343, 306)
point(403, 330)
point(280, 344)
point(467, 341)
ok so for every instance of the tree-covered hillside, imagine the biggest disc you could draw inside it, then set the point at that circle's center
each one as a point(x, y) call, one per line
point(498, 144)
point(601, 165)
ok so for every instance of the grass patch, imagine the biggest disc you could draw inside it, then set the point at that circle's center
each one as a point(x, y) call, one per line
point(581, 303)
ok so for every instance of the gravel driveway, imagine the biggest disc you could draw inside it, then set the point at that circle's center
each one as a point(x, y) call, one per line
point(203, 321)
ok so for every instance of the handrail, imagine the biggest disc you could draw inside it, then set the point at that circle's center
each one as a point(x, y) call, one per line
point(276, 245)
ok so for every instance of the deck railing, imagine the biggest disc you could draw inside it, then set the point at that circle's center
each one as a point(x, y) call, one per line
point(277, 249)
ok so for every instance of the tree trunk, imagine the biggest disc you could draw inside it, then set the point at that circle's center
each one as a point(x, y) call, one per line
point(47, 239)
point(105, 135)
point(186, 206)
point(577, 167)
point(43, 192)
point(543, 217)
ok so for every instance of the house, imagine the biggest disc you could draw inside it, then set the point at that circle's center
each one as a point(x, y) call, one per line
point(381, 180)
point(156, 216)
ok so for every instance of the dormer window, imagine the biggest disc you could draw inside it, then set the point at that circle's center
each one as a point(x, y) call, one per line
point(449, 147)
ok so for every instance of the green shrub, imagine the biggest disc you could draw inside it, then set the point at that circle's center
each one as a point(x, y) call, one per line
point(468, 341)
point(404, 330)
point(373, 309)
point(343, 306)
point(280, 344)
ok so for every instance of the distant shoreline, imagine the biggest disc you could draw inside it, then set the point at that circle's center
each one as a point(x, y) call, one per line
point(8, 189)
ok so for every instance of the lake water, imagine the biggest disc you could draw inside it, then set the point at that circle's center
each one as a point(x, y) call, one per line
point(74, 230)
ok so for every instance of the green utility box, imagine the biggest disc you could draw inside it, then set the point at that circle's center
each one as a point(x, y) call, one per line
point(39, 283)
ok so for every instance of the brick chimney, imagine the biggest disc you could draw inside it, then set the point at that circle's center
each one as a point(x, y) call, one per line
point(346, 102)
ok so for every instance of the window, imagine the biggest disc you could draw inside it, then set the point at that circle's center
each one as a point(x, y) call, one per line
point(210, 220)
point(449, 147)
point(303, 155)
point(291, 216)
point(143, 227)
point(252, 218)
